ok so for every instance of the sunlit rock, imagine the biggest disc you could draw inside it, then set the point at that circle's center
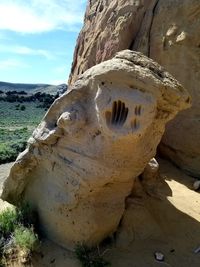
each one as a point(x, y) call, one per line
point(93, 142)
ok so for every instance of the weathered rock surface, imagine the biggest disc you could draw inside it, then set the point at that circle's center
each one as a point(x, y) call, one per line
point(110, 26)
point(82, 159)
point(175, 44)
point(167, 31)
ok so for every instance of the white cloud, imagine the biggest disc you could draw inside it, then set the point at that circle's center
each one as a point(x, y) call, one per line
point(8, 64)
point(35, 16)
point(24, 50)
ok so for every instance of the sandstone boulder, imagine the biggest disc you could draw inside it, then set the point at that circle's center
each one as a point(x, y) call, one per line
point(167, 31)
point(93, 142)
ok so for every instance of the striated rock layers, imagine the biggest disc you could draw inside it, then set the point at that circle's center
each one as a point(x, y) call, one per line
point(167, 31)
point(82, 159)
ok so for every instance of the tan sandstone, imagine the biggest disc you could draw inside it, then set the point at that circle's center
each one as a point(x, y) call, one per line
point(93, 142)
point(167, 31)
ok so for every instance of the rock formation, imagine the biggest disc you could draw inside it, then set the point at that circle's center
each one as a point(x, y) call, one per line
point(82, 159)
point(167, 31)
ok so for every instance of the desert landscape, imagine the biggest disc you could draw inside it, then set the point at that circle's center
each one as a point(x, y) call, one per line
point(111, 168)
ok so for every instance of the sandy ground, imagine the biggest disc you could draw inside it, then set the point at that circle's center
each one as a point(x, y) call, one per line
point(168, 223)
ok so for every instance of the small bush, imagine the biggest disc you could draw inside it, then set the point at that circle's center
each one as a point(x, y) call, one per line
point(25, 238)
point(10, 151)
point(89, 257)
point(8, 221)
point(17, 232)
point(22, 107)
point(13, 142)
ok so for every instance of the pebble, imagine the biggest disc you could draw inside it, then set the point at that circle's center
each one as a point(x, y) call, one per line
point(197, 250)
point(159, 256)
point(196, 185)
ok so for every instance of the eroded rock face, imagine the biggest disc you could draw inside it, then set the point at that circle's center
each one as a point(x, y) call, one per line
point(167, 31)
point(82, 159)
point(175, 44)
point(109, 26)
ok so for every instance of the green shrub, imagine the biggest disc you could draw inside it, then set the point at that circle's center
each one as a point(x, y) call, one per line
point(7, 154)
point(25, 238)
point(89, 257)
point(22, 107)
point(17, 232)
point(10, 151)
point(10, 218)
point(12, 143)
point(8, 222)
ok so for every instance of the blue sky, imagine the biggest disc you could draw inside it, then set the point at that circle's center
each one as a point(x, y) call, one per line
point(37, 39)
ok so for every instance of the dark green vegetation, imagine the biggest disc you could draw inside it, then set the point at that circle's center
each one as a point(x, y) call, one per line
point(90, 257)
point(17, 233)
point(12, 142)
point(44, 100)
point(22, 107)
point(16, 125)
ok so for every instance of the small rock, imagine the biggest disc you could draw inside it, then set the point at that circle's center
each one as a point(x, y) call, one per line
point(159, 256)
point(24, 256)
point(196, 185)
point(197, 250)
